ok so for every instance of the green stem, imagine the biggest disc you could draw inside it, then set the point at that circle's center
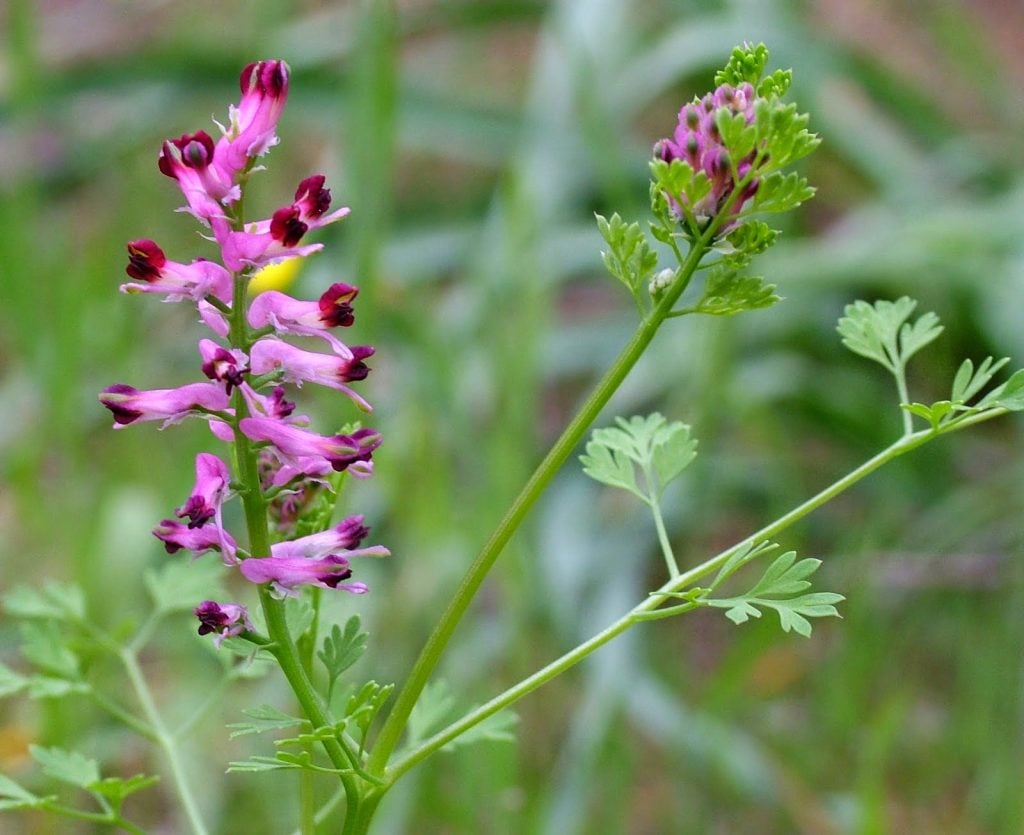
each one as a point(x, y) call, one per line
point(645, 610)
point(431, 654)
point(108, 818)
point(130, 719)
point(901, 386)
point(164, 739)
point(666, 546)
point(654, 503)
point(197, 715)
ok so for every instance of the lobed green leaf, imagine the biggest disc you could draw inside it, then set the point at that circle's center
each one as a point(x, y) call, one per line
point(342, 649)
point(57, 601)
point(43, 646)
point(66, 766)
point(727, 293)
point(746, 64)
point(180, 585)
point(779, 192)
point(265, 718)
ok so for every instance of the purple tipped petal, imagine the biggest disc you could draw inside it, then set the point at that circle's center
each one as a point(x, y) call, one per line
point(301, 366)
point(340, 450)
point(212, 479)
point(224, 619)
point(177, 537)
point(129, 405)
point(288, 573)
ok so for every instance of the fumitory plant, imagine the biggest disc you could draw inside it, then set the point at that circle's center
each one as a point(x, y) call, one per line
point(725, 168)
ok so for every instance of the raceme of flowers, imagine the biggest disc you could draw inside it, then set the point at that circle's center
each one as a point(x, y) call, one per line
point(248, 362)
point(697, 141)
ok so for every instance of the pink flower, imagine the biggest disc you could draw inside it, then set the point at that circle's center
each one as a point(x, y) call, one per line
point(213, 319)
point(211, 487)
point(253, 123)
point(177, 536)
point(129, 405)
point(223, 365)
point(148, 264)
point(226, 619)
point(207, 185)
point(341, 451)
point(287, 573)
point(277, 239)
point(301, 366)
point(303, 318)
point(697, 142)
point(343, 538)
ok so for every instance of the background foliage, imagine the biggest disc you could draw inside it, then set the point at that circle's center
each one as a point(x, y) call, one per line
point(474, 141)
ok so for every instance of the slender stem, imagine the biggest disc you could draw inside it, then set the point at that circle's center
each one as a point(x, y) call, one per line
point(645, 610)
point(900, 374)
point(666, 546)
point(325, 810)
point(654, 502)
point(129, 718)
point(307, 800)
point(110, 818)
point(164, 739)
point(197, 715)
point(431, 654)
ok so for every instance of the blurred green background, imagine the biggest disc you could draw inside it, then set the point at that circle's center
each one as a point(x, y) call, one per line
point(474, 141)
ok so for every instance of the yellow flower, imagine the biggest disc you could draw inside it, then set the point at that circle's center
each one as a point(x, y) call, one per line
point(277, 276)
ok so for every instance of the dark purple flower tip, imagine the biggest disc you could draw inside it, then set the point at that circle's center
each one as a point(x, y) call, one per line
point(311, 197)
point(278, 406)
point(336, 305)
point(331, 579)
point(117, 398)
point(358, 446)
point(287, 227)
point(211, 617)
point(222, 366)
point(224, 619)
point(355, 368)
point(353, 531)
point(198, 511)
point(194, 150)
point(269, 78)
point(145, 260)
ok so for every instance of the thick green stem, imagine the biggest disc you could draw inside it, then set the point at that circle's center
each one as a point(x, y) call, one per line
point(642, 612)
point(563, 448)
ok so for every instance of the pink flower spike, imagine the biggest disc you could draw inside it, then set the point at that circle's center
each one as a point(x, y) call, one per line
point(177, 536)
point(206, 184)
point(340, 451)
point(253, 123)
point(212, 479)
point(129, 405)
point(148, 264)
point(301, 366)
point(226, 619)
point(288, 573)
